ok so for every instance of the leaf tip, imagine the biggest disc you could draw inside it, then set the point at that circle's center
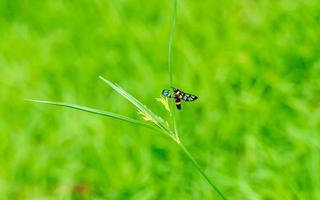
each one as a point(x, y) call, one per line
point(103, 79)
point(31, 100)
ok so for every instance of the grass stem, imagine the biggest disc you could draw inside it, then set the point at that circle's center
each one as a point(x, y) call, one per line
point(196, 164)
point(173, 28)
point(170, 68)
point(173, 115)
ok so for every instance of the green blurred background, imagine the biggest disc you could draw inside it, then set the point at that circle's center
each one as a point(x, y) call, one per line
point(255, 66)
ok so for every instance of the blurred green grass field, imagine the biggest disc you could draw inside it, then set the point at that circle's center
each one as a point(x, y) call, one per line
point(255, 66)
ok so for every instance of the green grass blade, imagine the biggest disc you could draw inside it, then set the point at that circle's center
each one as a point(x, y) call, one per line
point(141, 107)
point(98, 112)
point(125, 94)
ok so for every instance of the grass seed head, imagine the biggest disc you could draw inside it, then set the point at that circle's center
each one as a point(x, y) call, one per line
point(147, 117)
point(164, 102)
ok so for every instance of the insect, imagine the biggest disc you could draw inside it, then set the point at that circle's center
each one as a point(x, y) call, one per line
point(178, 95)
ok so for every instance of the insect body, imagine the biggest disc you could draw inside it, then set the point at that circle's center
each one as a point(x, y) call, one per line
point(178, 95)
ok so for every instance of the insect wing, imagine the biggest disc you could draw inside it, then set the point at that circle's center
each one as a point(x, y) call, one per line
point(166, 93)
point(189, 97)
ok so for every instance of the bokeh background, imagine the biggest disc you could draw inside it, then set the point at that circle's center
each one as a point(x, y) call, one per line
point(255, 66)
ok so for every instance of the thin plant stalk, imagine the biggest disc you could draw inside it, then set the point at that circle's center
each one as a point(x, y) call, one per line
point(173, 28)
point(173, 115)
point(170, 68)
point(196, 164)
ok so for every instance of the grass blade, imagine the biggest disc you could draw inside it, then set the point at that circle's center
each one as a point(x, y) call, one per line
point(158, 121)
point(98, 112)
point(125, 94)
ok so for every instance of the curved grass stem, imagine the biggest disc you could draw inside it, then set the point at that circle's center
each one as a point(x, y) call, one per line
point(173, 115)
point(196, 164)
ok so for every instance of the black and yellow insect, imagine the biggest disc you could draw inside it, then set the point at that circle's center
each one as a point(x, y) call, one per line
point(178, 95)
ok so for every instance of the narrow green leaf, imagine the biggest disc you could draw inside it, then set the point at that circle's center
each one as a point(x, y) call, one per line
point(98, 112)
point(125, 94)
point(141, 107)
